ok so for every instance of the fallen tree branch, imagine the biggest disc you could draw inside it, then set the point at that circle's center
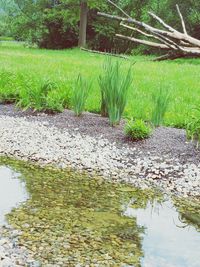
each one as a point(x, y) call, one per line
point(182, 20)
point(105, 53)
point(165, 25)
point(120, 9)
point(144, 42)
point(137, 30)
point(178, 43)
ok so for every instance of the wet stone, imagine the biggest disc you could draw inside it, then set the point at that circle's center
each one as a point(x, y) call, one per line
point(71, 219)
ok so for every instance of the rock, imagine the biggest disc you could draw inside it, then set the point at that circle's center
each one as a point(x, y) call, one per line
point(36, 141)
point(6, 262)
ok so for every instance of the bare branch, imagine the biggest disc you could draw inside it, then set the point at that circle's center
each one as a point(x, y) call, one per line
point(146, 34)
point(168, 41)
point(182, 20)
point(145, 42)
point(168, 56)
point(174, 35)
point(177, 43)
point(119, 8)
point(136, 30)
point(162, 22)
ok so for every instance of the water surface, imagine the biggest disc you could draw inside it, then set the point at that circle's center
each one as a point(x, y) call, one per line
point(69, 219)
point(12, 191)
point(167, 241)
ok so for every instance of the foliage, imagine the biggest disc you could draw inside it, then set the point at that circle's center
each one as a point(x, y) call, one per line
point(80, 94)
point(31, 92)
point(61, 67)
point(34, 94)
point(6, 38)
point(193, 127)
point(161, 99)
point(54, 24)
point(137, 129)
point(114, 85)
point(8, 87)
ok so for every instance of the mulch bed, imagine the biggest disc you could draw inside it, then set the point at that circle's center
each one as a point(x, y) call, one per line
point(165, 141)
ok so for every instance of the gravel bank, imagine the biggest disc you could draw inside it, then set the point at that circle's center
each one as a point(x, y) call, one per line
point(165, 160)
point(11, 254)
point(170, 142)
point(40, 141)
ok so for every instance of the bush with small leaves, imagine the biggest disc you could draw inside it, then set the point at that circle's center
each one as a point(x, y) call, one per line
point(137, 129)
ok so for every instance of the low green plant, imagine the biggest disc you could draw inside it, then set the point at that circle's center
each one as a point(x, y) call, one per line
point(114, 84)
point(80, 94)
point(9, 88)
point(137, 129)
point(58, 100)
point(193, 127)
point(161, 100)
point(34, 94)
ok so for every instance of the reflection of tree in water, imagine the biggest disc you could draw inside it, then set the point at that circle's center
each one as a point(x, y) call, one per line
point(72, 219)
point(189, 212)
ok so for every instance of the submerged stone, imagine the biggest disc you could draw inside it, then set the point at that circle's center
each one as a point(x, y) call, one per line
point(72, 220)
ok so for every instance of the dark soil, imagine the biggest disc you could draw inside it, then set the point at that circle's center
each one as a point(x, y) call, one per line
point(164, 142)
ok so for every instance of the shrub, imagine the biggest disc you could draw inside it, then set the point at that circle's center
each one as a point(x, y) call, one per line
point(59, 99)
point(161, 100)
point(80, 94)
point(9, 89)
point(137, 129)
point(33, 94)
point(193, 127)
point(114, 85)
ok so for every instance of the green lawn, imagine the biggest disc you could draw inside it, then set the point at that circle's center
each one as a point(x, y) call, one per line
point(62, 67)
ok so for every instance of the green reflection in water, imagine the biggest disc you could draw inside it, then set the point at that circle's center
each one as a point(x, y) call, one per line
point(70, 218)
point(189, 212)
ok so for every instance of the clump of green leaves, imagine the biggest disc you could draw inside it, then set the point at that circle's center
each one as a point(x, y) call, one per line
point(137, 129)
point(161, 100)
point(193, 127)
point(80, 94)
point(34, 94)
point(9, 88)
point(114, 84)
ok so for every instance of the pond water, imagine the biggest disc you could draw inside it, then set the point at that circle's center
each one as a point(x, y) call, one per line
point(167, 241)
point(68, 219)
point(12, 191)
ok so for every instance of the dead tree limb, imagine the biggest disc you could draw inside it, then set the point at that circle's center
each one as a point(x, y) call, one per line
point(182, 20)
point(105, 53)
point(179, 44)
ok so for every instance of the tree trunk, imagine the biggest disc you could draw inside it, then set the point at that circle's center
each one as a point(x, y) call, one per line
point(83, 23)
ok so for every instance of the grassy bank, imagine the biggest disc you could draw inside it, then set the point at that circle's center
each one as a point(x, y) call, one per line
point(60, 68)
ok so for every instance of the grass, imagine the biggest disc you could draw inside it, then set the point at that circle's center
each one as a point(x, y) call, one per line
point(61, 67)
point(80, 94)
point(6, 38)
point(114, 85)
point(161, 99)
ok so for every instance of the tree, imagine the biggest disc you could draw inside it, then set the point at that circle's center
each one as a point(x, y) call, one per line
point(177, 43)
point(83, 23)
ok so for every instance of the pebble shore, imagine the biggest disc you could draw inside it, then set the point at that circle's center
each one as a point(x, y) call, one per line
point(38, 142)
point(11, 254)
point(45, 144)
